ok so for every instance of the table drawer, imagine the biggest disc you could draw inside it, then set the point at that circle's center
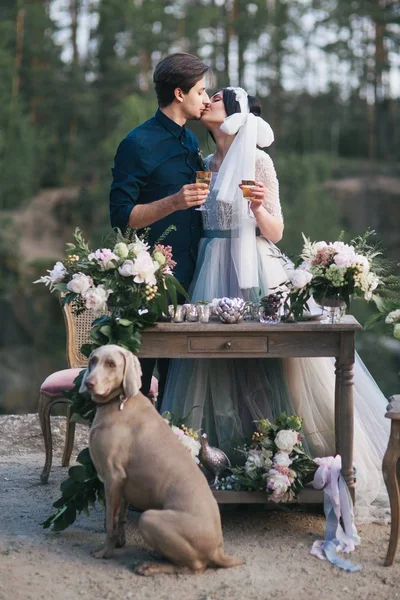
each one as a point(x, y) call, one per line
point(227, 344)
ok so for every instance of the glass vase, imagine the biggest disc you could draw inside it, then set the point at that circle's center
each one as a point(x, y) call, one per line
point(334, 307)
point(270, 309)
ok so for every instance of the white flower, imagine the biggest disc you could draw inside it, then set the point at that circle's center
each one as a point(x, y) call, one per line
point(56, 275)
point(144, 268)
point(279, 484)
point(80, 283)
point(96, 299)
point(393, 317)
point(253, 461)
point(192, 445)
point(282, 459)
point(340, 246)
point(126, 269)
point(300, 278)
point(187, 441)
point(362, 261)
point(368, 282)
point(121, 249)
point(104, 257)
point(138, 246)
point(286, 439)
point(305, 266)
point(319, 246)
point(345, 257)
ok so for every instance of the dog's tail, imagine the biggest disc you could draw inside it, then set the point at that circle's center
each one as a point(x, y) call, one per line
point(223, 561)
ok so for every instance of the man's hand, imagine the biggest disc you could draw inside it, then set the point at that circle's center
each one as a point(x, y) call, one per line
point(191, 195)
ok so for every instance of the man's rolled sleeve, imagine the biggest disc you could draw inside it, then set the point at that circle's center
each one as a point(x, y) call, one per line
point(128, 179)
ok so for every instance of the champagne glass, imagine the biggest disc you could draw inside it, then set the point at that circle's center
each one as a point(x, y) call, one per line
point(203, 177)
point(247, 191)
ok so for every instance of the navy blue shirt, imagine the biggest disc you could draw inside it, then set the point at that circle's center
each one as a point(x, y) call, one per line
point(154, 161)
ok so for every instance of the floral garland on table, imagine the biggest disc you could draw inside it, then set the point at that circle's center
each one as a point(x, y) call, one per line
point(275, 461)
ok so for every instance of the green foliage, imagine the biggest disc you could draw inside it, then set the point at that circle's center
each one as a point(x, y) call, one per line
point(79, 493)
point(20, 144)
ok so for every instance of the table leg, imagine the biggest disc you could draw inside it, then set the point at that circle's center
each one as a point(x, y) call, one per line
point(345, 422)
point(338, 395)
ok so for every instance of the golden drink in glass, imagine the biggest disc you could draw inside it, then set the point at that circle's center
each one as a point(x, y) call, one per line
point(203, 177)
point(247, 184)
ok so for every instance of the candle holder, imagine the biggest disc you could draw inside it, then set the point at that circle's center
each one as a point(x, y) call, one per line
point(178, 315)
point(191, 314)
point(204, 312)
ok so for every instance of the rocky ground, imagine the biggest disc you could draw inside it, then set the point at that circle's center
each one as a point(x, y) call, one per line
point(37, 564)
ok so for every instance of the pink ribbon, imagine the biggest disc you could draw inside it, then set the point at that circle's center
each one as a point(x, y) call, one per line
point(338, 506)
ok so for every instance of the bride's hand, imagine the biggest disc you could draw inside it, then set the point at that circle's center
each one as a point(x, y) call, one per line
point(257, 196)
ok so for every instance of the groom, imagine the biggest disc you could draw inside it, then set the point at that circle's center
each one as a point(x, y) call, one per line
point(154, 170)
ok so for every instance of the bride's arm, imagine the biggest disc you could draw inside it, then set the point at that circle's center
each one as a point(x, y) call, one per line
point(266, 206)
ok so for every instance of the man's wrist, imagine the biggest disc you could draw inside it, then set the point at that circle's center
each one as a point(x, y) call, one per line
point(172, 202)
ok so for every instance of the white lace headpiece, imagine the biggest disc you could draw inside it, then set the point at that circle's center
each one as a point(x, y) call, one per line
point(238, 164)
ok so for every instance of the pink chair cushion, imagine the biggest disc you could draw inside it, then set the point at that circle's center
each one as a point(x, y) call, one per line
point(56, 383)
point(153, 392)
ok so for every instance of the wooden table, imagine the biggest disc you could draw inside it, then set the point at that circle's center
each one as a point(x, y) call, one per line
point(258, 340)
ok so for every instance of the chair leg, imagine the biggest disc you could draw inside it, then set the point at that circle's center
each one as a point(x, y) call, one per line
point(45, 406)
point(69, 438)
point(390, 475)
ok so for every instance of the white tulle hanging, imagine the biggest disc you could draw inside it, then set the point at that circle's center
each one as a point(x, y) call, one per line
point(238, 164)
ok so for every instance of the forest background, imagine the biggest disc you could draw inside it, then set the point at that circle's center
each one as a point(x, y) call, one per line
point(76, 76)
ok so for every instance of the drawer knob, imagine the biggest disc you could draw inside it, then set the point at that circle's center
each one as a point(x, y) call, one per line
point(227, 345)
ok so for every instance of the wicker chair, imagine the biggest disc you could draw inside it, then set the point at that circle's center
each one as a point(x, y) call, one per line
point(52, 390)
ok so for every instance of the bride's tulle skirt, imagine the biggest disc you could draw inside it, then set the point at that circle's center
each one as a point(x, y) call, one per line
point(224, 396)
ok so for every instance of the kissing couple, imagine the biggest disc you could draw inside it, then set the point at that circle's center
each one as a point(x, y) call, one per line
point(227, 248)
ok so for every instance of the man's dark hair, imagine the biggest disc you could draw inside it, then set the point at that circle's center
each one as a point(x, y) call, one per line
point(179, 70)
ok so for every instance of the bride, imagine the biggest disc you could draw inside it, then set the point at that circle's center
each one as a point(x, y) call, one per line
point(237, 258)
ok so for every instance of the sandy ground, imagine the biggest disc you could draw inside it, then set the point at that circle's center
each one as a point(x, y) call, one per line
point(37, 564)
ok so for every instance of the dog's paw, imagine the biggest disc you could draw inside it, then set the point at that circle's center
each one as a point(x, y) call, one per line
point(147, 569)
point(102, 552)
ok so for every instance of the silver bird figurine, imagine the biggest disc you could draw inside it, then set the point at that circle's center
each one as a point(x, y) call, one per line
point(213, 459)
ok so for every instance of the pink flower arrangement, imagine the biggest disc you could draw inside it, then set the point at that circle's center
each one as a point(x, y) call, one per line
point(168, 265)
point(275, 461)
point(128, 281)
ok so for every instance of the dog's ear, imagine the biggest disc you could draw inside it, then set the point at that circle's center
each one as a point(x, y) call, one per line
point(132, 381)
point(83, 387)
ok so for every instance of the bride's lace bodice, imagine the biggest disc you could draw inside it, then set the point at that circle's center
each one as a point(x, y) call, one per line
point(218, 215)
